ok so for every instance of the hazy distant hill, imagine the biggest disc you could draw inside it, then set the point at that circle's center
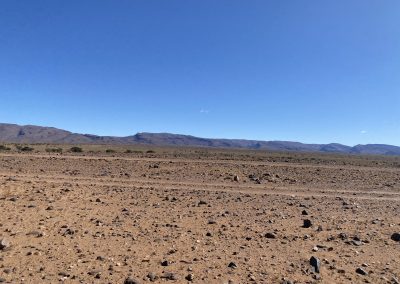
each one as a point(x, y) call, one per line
point(12, 133)
point(376, 149)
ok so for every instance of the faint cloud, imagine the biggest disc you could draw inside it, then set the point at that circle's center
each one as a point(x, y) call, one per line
point(364, 131)
point(205, 111)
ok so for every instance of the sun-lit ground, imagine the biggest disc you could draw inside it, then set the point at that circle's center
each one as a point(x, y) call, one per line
point(197, 215)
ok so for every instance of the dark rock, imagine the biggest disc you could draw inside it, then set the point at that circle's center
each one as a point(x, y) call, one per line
point(190, 277)
point(270, 236)
point(304, 212)
point(232, 265)
point(395, 237)
point(307, 223)
point(361, 271)
point(236, 178)
point(131, 280)
point(165, 263)
point(316, 263)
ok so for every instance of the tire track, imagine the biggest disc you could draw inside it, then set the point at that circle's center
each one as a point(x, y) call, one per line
point(217, 187)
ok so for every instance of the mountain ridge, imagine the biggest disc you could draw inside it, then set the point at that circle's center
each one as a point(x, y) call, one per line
point(14, 133)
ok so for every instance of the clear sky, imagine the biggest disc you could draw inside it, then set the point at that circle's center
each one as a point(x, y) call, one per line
point(309, 71)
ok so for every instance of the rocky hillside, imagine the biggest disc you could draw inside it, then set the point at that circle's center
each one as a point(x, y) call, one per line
point(12, 133)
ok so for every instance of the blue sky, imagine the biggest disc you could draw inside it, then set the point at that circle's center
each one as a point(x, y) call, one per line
point(309, 71)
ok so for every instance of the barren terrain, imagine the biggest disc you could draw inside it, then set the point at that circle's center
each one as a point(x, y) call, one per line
point(198, 216)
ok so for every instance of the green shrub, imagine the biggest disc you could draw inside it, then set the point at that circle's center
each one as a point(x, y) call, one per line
point(110, 151)
point(24, 148)
point(4, 148)
point(150, 152)
point(76, 149)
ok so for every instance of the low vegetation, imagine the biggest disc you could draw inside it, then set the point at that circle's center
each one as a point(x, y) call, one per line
point(133, 151)
point(24, 148)
point(76, 149)
point(4, 148)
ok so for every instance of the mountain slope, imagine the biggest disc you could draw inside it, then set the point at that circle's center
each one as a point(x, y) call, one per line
point(12, 133)
point(376, 149)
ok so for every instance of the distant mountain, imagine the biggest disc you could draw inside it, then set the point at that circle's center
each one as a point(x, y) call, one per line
point(12, 133)
point(38, 134)
point(376, 149)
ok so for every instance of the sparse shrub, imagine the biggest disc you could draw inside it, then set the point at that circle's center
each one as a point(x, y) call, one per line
point(133, 151)
point(4, 148)
point(54, 150)
point(24, 148)
point(110, 151)
point(76, 149)
point(150, 152)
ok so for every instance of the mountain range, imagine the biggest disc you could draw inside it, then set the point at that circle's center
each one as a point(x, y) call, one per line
point(12, 133)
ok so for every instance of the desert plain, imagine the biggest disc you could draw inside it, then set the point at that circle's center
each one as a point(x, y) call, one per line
point(193, 215)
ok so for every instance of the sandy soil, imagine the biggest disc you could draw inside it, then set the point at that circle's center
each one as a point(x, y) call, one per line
point(198, 216)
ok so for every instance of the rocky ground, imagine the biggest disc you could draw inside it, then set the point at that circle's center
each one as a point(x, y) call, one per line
point(198, 216)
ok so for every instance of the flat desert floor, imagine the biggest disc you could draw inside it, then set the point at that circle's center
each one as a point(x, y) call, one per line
point(198, 216)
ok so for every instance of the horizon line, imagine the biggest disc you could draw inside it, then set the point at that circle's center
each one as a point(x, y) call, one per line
point(194, 136)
